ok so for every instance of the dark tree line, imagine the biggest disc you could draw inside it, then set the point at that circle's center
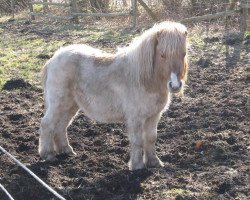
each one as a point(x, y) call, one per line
point(5, 5)
point(195, 7)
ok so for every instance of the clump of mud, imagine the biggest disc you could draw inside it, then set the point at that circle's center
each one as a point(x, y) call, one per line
point(16, 84)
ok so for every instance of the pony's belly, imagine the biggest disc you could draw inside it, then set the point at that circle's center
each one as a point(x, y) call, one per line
point(101, 110)
point(102, 116)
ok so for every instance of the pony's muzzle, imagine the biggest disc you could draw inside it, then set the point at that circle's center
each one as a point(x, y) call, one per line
point(174, 84)
point(174, 88)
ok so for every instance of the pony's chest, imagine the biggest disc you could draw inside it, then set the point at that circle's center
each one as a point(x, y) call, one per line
point(159, 103)
point(147, 104)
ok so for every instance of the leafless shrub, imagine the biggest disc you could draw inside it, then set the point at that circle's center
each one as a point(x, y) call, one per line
point(5, 5)
point(189, 8)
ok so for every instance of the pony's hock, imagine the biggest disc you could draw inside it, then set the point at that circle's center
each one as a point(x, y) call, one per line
point(132, 86)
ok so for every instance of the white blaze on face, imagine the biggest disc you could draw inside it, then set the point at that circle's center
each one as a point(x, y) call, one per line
point(174, 80)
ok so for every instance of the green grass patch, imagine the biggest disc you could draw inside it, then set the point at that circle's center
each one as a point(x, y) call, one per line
point(22, 52)
point(20, 57)
point(37, 7)
point(197, 41)
point(247, 33)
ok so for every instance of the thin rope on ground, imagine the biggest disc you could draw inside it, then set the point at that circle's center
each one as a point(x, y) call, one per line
point(6, 192)
point(32, 174)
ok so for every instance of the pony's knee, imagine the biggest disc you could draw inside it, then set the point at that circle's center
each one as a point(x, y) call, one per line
point(47, 125)
point(149, 139)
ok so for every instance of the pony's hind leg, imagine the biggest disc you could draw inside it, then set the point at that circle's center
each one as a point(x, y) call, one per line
point(150, 136)
point(53, 134)
point(62, 145)
point(46, 140)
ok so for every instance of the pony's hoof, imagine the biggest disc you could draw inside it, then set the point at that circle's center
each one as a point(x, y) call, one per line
point(154, 162)
point(48, 156)
point(66, 150)
point(136, 165)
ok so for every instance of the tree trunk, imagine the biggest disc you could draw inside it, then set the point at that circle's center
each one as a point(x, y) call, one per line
point(99, 5)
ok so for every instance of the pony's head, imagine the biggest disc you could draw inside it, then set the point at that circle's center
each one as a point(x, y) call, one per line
point(161, 52)
point(170, 58)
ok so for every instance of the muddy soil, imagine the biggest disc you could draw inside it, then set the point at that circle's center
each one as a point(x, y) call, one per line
point(203, 139)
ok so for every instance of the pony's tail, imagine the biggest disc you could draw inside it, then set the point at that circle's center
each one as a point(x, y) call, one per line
point(44, 74)
point(44, 80)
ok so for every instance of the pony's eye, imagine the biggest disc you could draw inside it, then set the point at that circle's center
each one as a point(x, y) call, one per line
point(163, 56)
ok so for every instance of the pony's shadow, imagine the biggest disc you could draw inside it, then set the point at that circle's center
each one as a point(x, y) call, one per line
point(117, 184)
point(20, 182)
point(40, 169)
point(121, 184)
point(125, 184)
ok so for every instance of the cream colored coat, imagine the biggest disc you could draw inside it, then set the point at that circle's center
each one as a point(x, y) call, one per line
point(132, 86)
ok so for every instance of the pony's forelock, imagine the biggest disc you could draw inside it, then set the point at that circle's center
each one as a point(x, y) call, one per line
point(172, 38)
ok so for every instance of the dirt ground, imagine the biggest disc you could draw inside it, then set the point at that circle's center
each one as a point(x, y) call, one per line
point(203, 139)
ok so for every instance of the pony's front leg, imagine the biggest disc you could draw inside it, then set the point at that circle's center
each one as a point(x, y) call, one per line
point(135, 131)
point(150, 135)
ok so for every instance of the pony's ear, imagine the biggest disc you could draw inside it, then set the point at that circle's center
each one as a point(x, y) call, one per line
point(158, 34)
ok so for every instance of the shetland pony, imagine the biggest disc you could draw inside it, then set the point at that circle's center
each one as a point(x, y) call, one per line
point(132, 86)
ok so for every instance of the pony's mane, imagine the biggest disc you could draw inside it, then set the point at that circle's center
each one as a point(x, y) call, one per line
point(173, 37)
point(140, 52)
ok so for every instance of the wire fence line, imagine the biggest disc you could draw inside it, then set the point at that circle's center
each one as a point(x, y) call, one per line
point(6, 192)
point(179, 10)
point(31, 173)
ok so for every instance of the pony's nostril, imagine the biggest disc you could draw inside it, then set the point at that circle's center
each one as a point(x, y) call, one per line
point(180, 84)
point(170, 85)
point(175, 88)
